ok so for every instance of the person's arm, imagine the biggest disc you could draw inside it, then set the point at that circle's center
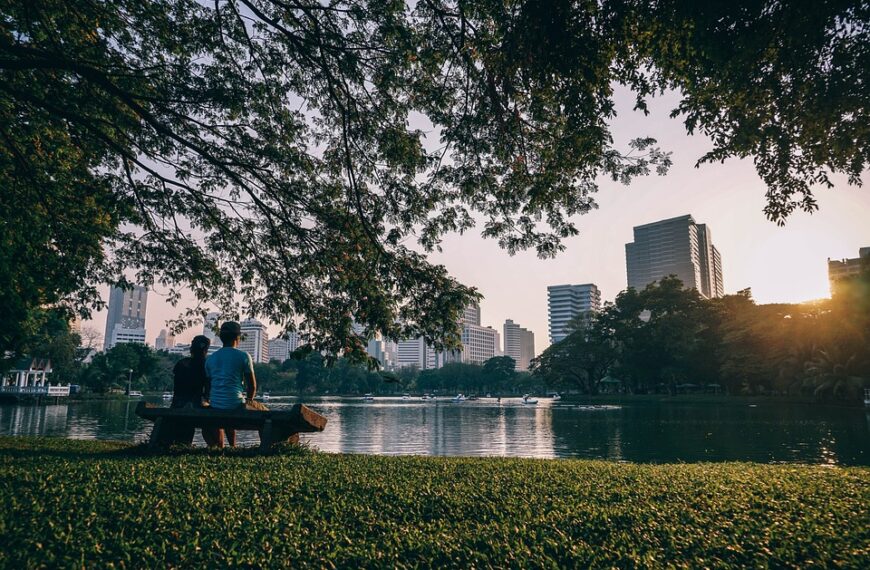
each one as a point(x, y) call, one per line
point(250, 379)
point(206, 388)
point(176, 379)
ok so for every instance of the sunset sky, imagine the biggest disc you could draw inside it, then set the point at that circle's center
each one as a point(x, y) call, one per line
point(780, 264)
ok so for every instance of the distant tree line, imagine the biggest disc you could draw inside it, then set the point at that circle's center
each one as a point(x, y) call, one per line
point(667, 339)
point(663, 339)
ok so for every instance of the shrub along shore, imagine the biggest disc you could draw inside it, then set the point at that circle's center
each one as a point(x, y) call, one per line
point(83, 504)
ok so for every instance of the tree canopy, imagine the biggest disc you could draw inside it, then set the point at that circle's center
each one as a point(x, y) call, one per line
point(665, 338)
point(288, 150)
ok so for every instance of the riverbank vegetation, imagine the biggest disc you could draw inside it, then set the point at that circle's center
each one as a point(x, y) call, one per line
point(74, 503)
point(661, 340)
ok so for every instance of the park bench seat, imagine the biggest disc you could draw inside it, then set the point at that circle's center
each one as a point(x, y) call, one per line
point(275, 426)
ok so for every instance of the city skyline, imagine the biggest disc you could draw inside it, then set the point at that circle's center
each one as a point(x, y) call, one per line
point(780, 264)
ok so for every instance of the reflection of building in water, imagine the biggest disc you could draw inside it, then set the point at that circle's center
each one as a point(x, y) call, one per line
point(614, 443)
point(34, 420)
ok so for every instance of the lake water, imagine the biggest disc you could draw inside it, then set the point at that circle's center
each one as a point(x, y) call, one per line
point(637, 431)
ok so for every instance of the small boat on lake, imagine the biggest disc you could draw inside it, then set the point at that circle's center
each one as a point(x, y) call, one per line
point(528, 400)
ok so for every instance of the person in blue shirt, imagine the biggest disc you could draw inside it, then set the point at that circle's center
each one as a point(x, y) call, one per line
point(231, 374)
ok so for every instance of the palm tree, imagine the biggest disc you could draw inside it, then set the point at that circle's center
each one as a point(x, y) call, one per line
point(835, 372)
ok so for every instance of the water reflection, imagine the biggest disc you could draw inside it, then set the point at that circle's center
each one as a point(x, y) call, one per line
point(639, 431)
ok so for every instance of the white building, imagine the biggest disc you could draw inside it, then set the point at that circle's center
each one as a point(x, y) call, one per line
point(183, 349)
point(479, 344)
point(567, 302)
point(255, 340)
point(125, 321)
point(121, 335)
point(416, 352)
point(519, 344)
point(165, 340)
point(280, 348)
point(209, 327)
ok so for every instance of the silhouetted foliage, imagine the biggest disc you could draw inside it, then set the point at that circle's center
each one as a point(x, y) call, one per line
point(667, 339)
point(267, 147)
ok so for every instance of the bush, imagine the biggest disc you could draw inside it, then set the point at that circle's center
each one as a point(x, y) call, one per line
point(96, 504)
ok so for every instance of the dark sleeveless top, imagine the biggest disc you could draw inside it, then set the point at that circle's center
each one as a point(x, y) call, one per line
point(190, 382)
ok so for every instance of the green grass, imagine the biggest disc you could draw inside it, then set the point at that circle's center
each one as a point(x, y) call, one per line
point(86, 504)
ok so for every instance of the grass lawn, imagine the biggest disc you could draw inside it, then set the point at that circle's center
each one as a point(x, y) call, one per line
point(97, 504)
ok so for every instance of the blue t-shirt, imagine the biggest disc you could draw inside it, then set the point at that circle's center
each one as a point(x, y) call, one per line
point(227, 369)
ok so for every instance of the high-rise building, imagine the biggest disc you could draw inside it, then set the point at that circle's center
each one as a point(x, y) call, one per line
point(165, 340)
point(209, 327)
point(479, 344)
point(255, 340)
point(845, 270)
point(566, 303)
point(281, 348)
point(125, 321)
point(471, 315)
point(519, 344)
point(416, 352)
point(676, 246)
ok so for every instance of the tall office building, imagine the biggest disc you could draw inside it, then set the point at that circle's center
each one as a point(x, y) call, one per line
point(125, 321)
point(566, 303)
point(255, 340)
point(519, 344)
point(676, 246)
point(471, 315)
point(479, 344)
point(417, 353)
point(844, 271)
point(165, 340)
point(209, 327)
point(281, 348)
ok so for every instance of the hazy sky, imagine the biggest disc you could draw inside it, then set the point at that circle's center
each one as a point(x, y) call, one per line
point(785, 264)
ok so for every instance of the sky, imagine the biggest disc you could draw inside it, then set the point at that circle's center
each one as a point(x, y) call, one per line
point(779, 264)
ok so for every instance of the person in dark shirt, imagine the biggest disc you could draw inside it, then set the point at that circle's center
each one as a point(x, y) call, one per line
point(190, 388)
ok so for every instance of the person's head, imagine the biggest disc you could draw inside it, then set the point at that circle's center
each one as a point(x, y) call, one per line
point(199, 346)
point(231, 332)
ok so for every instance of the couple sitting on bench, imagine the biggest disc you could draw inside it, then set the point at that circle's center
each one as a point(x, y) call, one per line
point(223, 381)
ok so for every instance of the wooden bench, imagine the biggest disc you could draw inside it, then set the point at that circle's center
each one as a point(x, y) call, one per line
point(275, 426)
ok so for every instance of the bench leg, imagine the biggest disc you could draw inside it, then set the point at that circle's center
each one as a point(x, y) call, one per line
point(266, 436)
point(156, 433)
point(284, 436)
